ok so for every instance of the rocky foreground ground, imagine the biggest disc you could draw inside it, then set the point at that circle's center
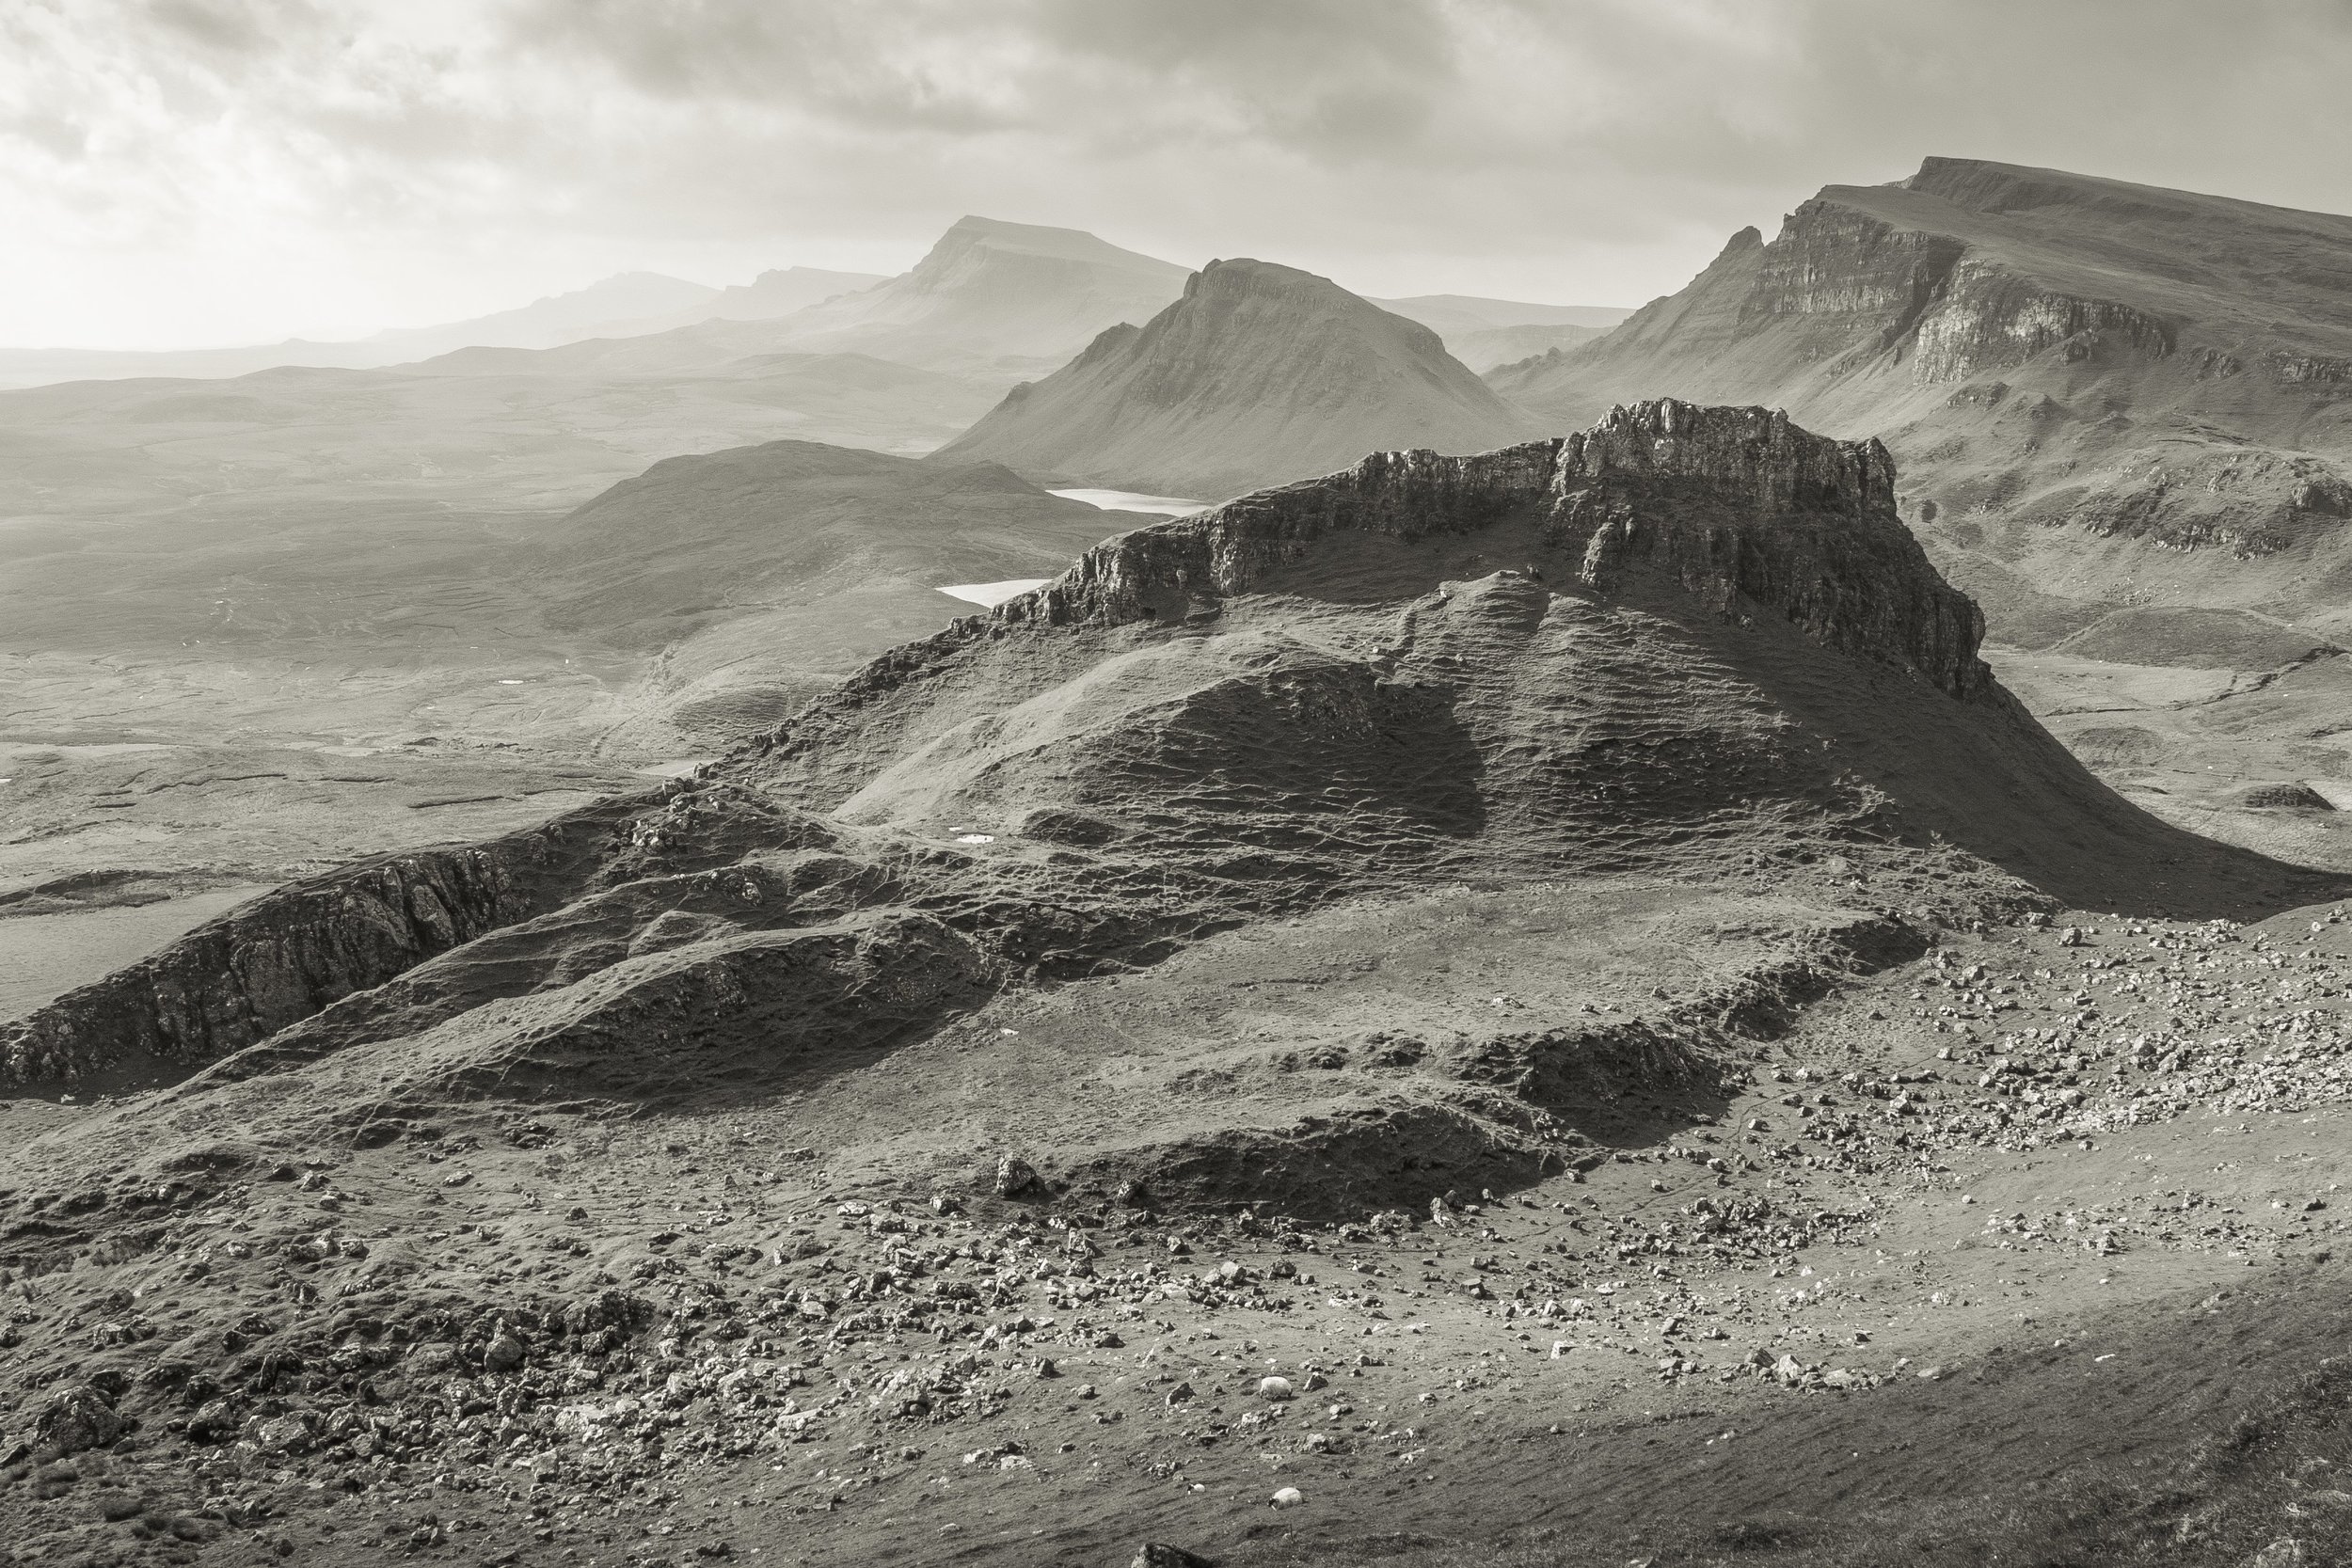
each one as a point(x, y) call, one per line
point(565, 1340)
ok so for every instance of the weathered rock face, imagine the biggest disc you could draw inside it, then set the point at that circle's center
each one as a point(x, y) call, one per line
point(1983, 316)
point(1739, 507)
point(1853, 276)
point(241, 978)
point(1831, 260)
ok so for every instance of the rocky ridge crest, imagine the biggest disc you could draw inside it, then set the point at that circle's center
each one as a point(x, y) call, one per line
point(1739, 508)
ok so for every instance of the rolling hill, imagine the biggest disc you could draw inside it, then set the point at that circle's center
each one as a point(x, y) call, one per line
point(762, 575)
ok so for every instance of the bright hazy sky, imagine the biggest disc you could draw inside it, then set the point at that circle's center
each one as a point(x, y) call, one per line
point(180, 173)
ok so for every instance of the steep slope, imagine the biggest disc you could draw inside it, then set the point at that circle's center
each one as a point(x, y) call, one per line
point(2112, 366)
point(2122, 418)
point(994, 298)
point(1259, 375)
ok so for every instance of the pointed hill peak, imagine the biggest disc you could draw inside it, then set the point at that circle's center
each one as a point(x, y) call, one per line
point(1259, 375)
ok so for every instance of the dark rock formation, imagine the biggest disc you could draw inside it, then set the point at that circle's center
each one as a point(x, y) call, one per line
point(238, 979)
point(1739, 507)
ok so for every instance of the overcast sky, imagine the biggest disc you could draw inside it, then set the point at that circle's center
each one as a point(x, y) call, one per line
point(179, 172)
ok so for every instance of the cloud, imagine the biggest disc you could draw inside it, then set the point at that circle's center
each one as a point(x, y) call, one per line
point(223, 168)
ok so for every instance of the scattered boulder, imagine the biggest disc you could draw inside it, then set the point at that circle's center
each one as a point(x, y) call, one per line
point(281, 1435)
point(1014, 1176)
point(79, 1418)
point(1158, 1553)
point(2290, 796)
point(505, 1351)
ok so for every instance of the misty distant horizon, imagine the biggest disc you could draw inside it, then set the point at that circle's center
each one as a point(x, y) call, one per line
point(715, 284)
point(185, 173)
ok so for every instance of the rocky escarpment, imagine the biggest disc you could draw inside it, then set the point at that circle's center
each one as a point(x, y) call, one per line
point(1984, 316)
point(1858, 283)
point(238, 979)
point(1735, 508)
point(1831, 260)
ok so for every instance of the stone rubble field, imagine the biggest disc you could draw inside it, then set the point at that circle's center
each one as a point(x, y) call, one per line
point(567, 1340)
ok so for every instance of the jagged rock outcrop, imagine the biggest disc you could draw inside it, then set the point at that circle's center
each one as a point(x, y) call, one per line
point(279, 959)
point(1741, 508)
point(1257, 375)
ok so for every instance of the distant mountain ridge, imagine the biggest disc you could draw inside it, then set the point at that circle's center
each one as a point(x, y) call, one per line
point(1449, 314)
point(776, 293)
point(633, 304)
point(2052, 355)
point(993, 297)
point(1259, 375)
point(554, 320)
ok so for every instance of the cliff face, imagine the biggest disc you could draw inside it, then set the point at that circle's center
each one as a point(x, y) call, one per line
point(1846, 286)
point(272, 962)
point(2033, 345)
point(1741, 510)
point(1258, 375)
